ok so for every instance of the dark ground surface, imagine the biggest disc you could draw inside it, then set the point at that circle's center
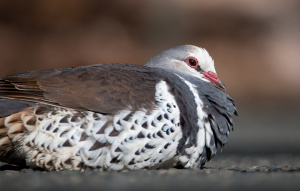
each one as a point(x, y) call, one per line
point(225, 172)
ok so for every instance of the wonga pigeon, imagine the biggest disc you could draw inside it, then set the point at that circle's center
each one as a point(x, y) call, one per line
point(170, 112)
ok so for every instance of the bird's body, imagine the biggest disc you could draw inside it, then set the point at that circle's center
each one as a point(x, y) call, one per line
point(164, 114)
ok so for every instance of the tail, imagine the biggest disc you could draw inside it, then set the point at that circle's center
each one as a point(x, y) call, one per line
point(12, 130)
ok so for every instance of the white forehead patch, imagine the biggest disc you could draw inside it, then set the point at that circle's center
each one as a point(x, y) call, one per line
point(174, 59)
point(205, 60)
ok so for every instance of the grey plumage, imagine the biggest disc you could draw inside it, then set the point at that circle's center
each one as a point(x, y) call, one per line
point(115, 95)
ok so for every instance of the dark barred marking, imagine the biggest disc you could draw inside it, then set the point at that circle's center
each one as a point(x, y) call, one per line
point(83, 137)
point(101, 131)
point(17, 132)
point(67, 144)
point(140, 135)
point(49, 163)
point(128, 117)
point(28, 144)
point(119, 123)
point(163, 128)
point(83, 126)
point(149, 146)
point(131, 138)
point(132, 127)
point(42, 110)
point(76, 117)
point(137, 152)
point(68, 161)
point(90, 158)
point(31, 121)
point(115, 160)
point(7, 143)
point(64, 132)
point(80, 165)
point(166, 116)
point(152, 124)
point(114, 133)
point(147, 159)
point(159, 134)
point(159, 118)
point(172, 130)
point(145, 125)
point(154, 135)
point(96, 117)
point(118, 149)
point(149, 136)
point(167, 145)
point(65, 119)
point(35, 155)
point(168, 131)
point(132, 162)
point(54, 113)
point(97, 145)
point(55, 130)
point(48, 127)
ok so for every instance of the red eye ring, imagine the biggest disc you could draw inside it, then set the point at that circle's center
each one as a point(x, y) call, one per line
point(192, 62)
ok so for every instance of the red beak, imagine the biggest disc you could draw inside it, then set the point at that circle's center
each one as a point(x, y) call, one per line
point(213, 78)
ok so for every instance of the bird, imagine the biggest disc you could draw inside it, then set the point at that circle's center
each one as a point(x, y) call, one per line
point(171, 112)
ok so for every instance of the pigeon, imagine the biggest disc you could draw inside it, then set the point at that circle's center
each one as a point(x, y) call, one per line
point(171, 112)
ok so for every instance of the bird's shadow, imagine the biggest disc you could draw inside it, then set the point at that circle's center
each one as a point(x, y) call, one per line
point(11, 167)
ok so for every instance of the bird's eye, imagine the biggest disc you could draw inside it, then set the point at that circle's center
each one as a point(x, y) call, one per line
point(192, 62)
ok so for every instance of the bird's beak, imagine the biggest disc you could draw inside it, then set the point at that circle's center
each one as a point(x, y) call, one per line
point(213, 78)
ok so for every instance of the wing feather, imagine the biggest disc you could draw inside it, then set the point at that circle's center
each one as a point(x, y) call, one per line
point(105, 88)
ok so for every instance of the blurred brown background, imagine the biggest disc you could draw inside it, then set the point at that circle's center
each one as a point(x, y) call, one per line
point(255, 45)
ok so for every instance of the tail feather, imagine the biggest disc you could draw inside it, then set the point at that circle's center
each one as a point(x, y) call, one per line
point(3, 129)
point(11, 132)
point(4, 141)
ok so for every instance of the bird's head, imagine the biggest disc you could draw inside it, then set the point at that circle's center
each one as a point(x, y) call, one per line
point(190, 60)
